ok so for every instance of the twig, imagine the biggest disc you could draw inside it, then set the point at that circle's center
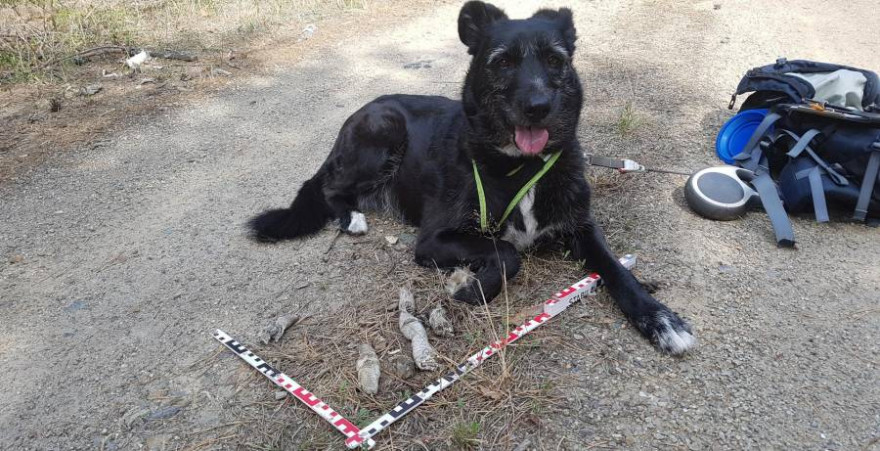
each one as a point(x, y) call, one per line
point(102, 49)
point(333, 242)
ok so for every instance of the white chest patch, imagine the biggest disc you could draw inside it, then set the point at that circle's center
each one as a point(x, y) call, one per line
point(523, 238)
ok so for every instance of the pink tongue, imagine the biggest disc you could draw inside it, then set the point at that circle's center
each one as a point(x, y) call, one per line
point(531, 140)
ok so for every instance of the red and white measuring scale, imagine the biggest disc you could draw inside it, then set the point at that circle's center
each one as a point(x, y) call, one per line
point(363, 437)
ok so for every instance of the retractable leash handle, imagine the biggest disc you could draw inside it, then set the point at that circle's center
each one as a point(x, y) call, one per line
point(722, 193)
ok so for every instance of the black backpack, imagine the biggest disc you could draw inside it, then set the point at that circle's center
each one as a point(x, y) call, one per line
point(819, 142)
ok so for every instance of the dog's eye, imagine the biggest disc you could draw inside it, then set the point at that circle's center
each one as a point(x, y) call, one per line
point(503, 62)
point(554, 61)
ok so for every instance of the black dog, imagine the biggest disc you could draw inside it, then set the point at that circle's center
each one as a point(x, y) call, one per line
point(427, 158)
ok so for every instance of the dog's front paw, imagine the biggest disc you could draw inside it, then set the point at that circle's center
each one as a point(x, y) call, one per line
point(667, 331)
point(354, 224)
point(470, 294)
point(464, 287)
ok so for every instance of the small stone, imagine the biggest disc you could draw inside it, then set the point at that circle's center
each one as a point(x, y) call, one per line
point(280, 394)
point(90, 90)
point(134, 416)
point(157, 442)
point(192, 72)
point(392, 240)
point(403, 366)
point(716, 6)
point(307, 32)
point(164, 413)
point(275, 330)
point(220, 72)
point(407, 239)
point(578, 336)
point(16, 259)
point(75, 306)
point(726, 268)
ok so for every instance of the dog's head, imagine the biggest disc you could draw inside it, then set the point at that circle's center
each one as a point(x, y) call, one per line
point(521, 93)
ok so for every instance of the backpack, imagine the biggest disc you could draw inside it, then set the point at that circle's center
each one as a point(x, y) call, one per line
point(819, 143)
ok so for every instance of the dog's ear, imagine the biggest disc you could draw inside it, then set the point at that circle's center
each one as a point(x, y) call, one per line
point(565, 21)
point(472, 21)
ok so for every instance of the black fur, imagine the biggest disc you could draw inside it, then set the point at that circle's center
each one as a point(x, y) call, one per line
point(281, 224)
point(412, 155)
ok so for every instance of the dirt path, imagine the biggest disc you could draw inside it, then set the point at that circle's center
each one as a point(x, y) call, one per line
point(120, 259)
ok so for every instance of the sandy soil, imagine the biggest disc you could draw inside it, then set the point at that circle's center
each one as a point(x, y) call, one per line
point(122, 256)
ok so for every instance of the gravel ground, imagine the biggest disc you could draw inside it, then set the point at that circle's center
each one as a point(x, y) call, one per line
point(120, 258)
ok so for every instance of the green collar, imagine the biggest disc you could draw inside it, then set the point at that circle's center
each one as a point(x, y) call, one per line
point(481, 194)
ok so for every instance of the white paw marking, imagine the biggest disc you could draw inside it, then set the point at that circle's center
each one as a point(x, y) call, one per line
point(458, 280)
point(674, 341)
point(358, 223)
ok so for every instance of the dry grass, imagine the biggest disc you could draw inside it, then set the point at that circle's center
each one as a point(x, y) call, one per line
point(495, 407)
point(40, 38)
point(628, 121)
point(51, 50)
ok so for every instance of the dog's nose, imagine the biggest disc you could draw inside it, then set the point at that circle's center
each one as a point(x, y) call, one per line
point(537, 108)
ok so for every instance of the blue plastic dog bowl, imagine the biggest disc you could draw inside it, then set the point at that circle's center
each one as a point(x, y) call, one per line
point(735, 134)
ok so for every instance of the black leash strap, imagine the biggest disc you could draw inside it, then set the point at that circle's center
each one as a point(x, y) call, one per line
point(626, 166)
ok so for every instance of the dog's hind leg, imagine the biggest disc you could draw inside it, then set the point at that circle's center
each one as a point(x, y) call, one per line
point(654, 320)
point(490, 260)
point(363, 158)
point(362, 161)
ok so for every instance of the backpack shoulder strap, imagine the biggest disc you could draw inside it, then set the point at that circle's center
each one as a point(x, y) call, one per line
point(817, 191)
point(769, 196)
point(751, 156)
point(868, 184)
point(802, 143)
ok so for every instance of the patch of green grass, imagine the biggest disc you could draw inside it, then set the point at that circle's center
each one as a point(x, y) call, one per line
point(464, 435)
point(353, 4)
point(14, 68)
point(536, 408)
point(363, 417)
point(629, 121)
point(83, 27)
point(474, 337)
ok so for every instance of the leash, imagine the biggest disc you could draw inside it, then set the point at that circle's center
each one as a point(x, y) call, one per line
point(481, 194)
point(625, 166)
